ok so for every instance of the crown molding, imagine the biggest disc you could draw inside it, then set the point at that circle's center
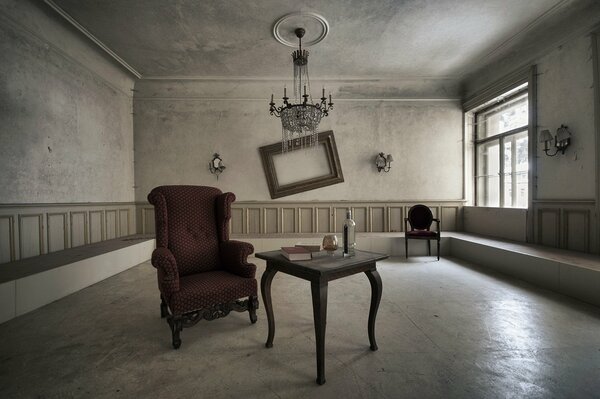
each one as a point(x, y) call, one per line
point(93, 38)
point(287, 79)
point(338, 100)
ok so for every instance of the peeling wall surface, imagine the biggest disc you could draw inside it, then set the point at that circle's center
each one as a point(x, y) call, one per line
point(566, 96)
point(66, 132)
point(176, 133)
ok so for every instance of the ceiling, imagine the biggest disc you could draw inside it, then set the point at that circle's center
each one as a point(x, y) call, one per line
point(375, 39)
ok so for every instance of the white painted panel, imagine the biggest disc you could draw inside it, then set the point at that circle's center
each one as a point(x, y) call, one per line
point(7, 301)
point(149, 222)
point(30, 235)
point(253, 220)
point(339, 214)
point(42, 288)
point(506, 223)
point(96, 226)
point(237, 221)
point(548, 227)
point(449, 218)
point(580, 282)
point(360, 217)
point(288, 220)
point(78, 229)
point(111, 224)
point(323, 220)
point(306, 220)
point(377, 219)
point(396, 218)
point(57, 231)
point(577, 230)
point(6, 239)
point(272, 220)
point(123, 222)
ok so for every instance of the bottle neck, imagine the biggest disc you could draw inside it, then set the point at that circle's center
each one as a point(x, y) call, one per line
point(348, 214)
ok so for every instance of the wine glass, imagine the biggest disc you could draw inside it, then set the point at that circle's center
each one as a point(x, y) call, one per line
point(330, 243)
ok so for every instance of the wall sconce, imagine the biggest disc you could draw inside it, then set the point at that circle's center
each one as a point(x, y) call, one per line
point(216, 166)
point(383, 162)
point(561, 140)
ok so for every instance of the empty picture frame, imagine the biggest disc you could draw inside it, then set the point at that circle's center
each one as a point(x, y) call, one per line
point(301, 169)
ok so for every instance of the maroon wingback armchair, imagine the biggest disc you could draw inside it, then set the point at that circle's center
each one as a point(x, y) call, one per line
point(202, 274)
point(420, 219)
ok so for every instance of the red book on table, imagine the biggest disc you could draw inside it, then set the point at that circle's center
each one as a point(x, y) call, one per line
point(296, 253)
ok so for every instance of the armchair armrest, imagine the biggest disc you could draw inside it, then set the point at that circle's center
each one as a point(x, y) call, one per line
point(166, 265)
point(234, 256)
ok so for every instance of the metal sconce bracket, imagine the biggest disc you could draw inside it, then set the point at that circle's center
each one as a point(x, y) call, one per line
point(562, 140)
point(216, 166)
point(383, 162)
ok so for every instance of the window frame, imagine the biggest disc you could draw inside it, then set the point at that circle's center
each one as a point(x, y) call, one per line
point(500, 137)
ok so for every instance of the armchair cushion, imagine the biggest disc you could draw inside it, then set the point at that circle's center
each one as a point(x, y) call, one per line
point(203, 290)
point(234, 256)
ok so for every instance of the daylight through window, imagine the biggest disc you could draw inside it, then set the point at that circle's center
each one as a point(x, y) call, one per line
point(501, 147)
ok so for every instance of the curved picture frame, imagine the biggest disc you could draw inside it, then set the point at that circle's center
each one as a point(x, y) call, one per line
point(333, 176)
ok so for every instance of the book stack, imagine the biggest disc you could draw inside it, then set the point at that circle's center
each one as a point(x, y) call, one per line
point(296, 253)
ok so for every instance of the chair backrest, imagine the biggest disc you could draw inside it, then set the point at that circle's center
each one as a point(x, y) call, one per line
point(187, 224)
point(420, 217)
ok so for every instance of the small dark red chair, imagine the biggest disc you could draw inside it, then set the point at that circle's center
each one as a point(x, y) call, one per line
point(202, 274)
point(420, 219)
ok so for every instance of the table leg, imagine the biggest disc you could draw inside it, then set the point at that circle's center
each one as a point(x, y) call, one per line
point(265, 288)
point(376, 289)
point(319, 299)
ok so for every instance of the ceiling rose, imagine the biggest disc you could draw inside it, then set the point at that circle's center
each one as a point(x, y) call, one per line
point(316, 27)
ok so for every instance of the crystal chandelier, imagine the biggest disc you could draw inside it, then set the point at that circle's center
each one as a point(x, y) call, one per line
point(300, 119)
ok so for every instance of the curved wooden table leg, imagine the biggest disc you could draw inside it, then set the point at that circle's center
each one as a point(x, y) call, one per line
point(265, 288)
point(376, 289)
point(319, 300)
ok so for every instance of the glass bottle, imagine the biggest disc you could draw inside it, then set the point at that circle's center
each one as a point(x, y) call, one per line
point(349, 234)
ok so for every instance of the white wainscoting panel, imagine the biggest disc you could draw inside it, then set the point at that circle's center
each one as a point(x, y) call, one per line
point(279, 218)
point(79, 229)
point(28, 230)
point(7, 238)
point(31, 235)
point(566, 224)
point(57, 231)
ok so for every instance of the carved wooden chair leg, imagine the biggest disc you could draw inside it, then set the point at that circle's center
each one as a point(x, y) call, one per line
point(176, 324)
point(252, 306)
point(163, 308)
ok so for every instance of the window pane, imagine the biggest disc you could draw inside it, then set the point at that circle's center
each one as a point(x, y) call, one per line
point(520, 198)
point(508, 169)
point(503, 118)
point(488, 170)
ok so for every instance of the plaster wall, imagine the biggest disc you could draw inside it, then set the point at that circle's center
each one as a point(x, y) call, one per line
point(178, 126)
point(566, 96)
point(67, 131)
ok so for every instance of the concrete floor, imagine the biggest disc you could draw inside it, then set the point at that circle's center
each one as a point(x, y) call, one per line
point(444, 329)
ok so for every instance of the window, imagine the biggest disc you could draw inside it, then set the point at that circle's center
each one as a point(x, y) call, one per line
point(501, 150)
